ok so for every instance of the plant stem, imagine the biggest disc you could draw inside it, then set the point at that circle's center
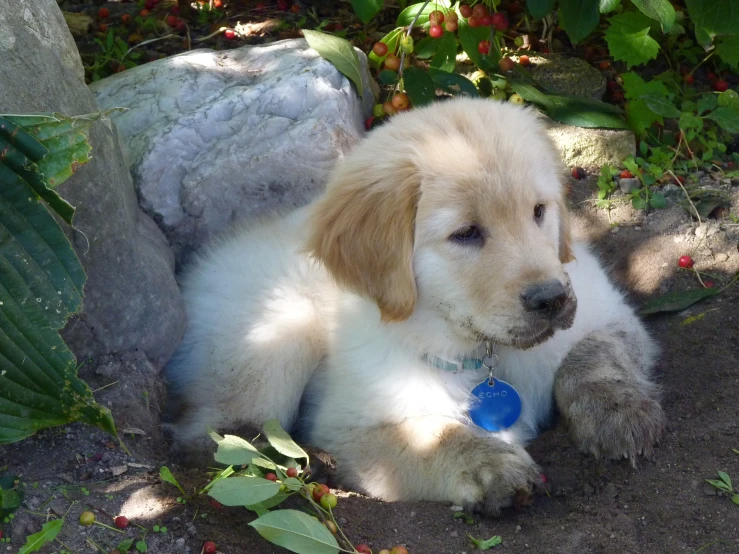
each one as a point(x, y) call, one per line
point(686, 196)
point(408, 33)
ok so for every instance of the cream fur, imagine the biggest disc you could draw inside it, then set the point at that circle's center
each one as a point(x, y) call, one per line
point(269, 325)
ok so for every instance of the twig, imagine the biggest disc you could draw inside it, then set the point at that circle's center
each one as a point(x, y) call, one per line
point(143, 42)
point(686, 195)
point(106, 386)
point(408, 33)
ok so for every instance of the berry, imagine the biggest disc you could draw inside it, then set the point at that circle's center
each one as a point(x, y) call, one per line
point(578, 172)
point(319, 490)
point(688, 79)
point(543, 478)
point(398, 550)
point(384, 551)
point(500, 21)
point(686, 262)
point(516, 99)
point(380, 49)
point(518, 41)
point(506, 64)
point(368, 122)
point(271, 477)
point(392, 62)
point(87, 518)
point(709, 284)
point(363, 549)
point(479, 10)
point(283, 5)
point(102, 27)
point(176, 9)
point(291, 471)
point(711, 76)
point(406, 44)
point(720, 85)
point(626, 174)
point(388, 108)
point(483, 47)
point(215, 504)
point(452, 26)
point(465, 10)
point(144, 13)
point(126, 18)
point(473, 21)
point(181, 25)
point(103, 13)
point(435, 31)
point(401, 101)
point(217, 3)
point(451, 17)
point(121, 522)
point(485, 21)
point(436, 17)
point(331, 526)
point(604, 65)
point(329, 501)
point(229, 34)
point(377, 111)
point(294, 8)
point(209, 547)
point(172, 20)
point(524, 60)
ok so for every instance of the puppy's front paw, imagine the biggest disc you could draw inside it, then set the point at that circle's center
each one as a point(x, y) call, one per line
point(501, 475)
point(621, 423)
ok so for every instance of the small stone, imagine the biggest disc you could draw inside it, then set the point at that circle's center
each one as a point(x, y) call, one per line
point(518, 528)
point(629, 184)
point(637, 228)
point(615, 229)
point(670, 189)
point(454, 534)
point(119, 470)
point(456, 508)
point(721, 257)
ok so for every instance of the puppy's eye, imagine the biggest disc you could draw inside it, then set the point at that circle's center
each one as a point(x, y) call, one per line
point(468, 234)
point(539, 210)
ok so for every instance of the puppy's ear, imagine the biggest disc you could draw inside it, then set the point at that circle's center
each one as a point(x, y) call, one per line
point(565, 235)
point(362, 230)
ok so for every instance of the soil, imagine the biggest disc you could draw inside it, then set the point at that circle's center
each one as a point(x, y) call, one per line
point(662, 506)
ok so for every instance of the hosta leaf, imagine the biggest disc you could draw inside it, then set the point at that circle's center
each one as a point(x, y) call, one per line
point(407, 16)
point(727, 118)
point(539, 9)
point(727, 49)
point(339, 52)
point(296, 531)
point(48, 533)
point(579, 17)
point(661, 10)
point(715, 17)
point(281, 441)
point(628, 38)
point(243, 491)
point(367, 9)
point(677, 301)
point(419, 86)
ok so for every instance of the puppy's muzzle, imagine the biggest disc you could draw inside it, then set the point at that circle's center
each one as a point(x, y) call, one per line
point(551, 301)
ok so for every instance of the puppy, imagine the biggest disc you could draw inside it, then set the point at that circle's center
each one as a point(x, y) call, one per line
point(438, 262)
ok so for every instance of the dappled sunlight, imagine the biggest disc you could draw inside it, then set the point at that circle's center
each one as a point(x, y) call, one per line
point(284, 312)
point(146, 503)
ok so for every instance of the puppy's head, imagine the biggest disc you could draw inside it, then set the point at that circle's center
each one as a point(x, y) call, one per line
point(456, 210)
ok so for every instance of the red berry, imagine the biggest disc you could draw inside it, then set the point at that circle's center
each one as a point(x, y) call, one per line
point(709, 284)
point(479, 10)
point(121, 522)
point(711, 76)
point(686, 262)
point(103, 27)
point(506, 64)
point(368, 122)
point(172, 21)
point(363, 549)
point(436, 17)
point(392, 62)
point(271, 477)
point(380, 49)
point(485, 20)
point(319, 490)
point(144, 13)
point(451, 26)
point(126, 18)
point(451, 17)
point(176, 9)
point(578, 172)
point(612, 85)
point(215, 504)
point(720, 85)
point(229, 34)
point(473, 21)
point(209, 547)
point(103, 13)
point(401, 101)
point(465, 10)
point(181, 25)
point(483, 47)
point(283, 5)
point(626, 174)
point(688, 79)
point(388, 108)
point(680, 179)
point(217, 3)
point(543, 478)
point(604, 65)
point(435, 31)
point(500, 21)
point(524, 60)
point(292, 472)
point(149, 4)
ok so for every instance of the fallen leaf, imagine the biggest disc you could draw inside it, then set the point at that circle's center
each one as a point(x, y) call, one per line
point(119, 470)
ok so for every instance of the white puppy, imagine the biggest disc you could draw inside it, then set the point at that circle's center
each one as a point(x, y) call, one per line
point(442, 235)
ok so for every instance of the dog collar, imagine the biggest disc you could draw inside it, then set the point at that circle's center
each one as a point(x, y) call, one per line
point(453, 365)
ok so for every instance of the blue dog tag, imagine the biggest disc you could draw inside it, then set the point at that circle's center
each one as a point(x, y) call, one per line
point(497, 405)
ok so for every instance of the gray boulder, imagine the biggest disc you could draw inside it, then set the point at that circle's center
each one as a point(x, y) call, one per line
point(215, 137)
point(131, 297)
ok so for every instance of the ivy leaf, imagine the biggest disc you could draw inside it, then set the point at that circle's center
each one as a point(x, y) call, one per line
point(339, 52)
point(715, 17)
point(727, 118)
point(446, 54)
point(677, 301)
point(661, 10)
point(660, 105)
point(628, 38)
point(48, 533)
point(296, 531)
point(727, 49)
point(367, 9)
point(419, 86)
point(539, 9)
point(579, 17)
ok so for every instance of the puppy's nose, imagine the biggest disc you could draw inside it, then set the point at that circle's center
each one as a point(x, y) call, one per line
point(546, 299)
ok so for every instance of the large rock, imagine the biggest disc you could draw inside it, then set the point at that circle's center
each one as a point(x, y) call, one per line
point(218, 136)
point(591, 148)
point(131, 297)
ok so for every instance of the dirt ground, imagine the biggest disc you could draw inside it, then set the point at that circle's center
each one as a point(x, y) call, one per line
point(664, 506)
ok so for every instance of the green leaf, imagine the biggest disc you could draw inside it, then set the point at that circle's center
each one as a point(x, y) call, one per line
point(715, 17)
point(9, 501)
point(481, 544)
point(426, 47)
point(719, 484)
point(166, 475)
point(469, 38)
point(725, 478)
point(677, 301)
point(281, 441)
point(727, 49)
point(125, 545)
point(407, 16)
point(262, 508)
point(235, 451)
point(366, 9)
point(141, 546)
point(735, 499)
point(727, 119)
point(638, 203)
point(660, 105)
point(48, 533)
point(638, 115)
point(690, 121)
point(446, 54)
point(706, 103)
point(584, 112)
point(419, 86)
point(607, 6)
point(243, 491)
point(539, 9)
point(658, 201)
point(455, 84)
point(661, 10)
point(532, 94)
point(628, 38)
point(296, 531)
point(579, 17)
point(388, 77)
point(339, 52)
